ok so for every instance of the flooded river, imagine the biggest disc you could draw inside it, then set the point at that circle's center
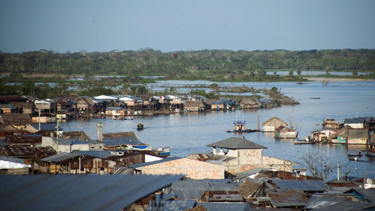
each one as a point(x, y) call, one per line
point(191, 132)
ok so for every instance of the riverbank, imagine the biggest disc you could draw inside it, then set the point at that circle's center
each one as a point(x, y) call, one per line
point(336, 79)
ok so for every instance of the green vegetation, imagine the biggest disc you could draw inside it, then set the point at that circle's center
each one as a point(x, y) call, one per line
point(189, 65)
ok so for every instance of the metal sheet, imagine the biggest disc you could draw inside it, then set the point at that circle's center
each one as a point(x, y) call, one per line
point(78, 192)
point(303, 185)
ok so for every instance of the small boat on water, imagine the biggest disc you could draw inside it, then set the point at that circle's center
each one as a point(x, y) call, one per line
point(299, 142)
point(355, 155)
point(239, 127)
point(314, 97)
point(140, 126)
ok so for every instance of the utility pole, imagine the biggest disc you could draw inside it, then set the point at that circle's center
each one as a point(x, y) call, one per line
point(39, 119)
point(57, 136)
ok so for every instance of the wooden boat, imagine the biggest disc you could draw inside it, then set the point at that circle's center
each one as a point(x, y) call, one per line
point(298, 142)
point(355, 155)
point(140, 127)
point(239, 127)
point(243, 131)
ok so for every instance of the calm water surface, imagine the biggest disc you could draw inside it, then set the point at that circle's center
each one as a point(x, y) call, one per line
point(191, 132)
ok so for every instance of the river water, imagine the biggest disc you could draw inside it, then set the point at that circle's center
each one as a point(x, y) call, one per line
point(191, 132)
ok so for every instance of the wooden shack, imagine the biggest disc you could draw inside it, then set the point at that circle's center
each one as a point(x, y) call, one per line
point(250, 103)
point(194, 106)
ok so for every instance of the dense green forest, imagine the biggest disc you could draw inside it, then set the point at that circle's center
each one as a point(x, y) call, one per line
point(175, 64)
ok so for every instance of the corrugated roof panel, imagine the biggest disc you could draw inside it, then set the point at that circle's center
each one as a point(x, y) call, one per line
point(347, 206)
point(217, 206)
point(121, 140)
point(175, 205)
point(237, 143)
point(287, 198)
point(61, 157)
point(78, 192)
point(317, 202)
point(303, 185)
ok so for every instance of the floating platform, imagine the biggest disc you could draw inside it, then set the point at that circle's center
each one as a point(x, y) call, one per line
point(300, 142)
point(243, 131)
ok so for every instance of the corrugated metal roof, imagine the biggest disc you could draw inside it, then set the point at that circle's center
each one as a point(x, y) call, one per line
point(17, 139)
point(154, 162)
point(303, 185)
point(222, 195)
point(26, 151)
point(115, 109)
point(287, 198)
point(347, 206)
point(10, 159)
point(236, 143)
point(193, 189)
point(121, 141)
point(317, 202)
point(47, 126)
point(249, 172)
point(354, 121)
point(78, 192)
point(98, 154)
point(60, 157)
point(175, 205)
point(368, 194)
point(217, 206)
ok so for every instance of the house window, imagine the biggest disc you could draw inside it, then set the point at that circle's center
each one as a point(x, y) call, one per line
point(92, 147)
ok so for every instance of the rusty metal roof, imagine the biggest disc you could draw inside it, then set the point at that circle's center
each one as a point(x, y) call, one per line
point(317, 202)
point(193, 189)
point(175, 205)
point(237, 143)
point(26, 151)
point(222, 196)
point(287, 198)
point(26, 139)
point(303, 185)
point(227, 206)
point(78, 192)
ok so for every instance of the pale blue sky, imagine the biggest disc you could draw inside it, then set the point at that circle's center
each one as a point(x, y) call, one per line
point(179, 25)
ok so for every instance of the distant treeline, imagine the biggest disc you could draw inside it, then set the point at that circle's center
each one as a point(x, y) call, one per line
point(154, 62)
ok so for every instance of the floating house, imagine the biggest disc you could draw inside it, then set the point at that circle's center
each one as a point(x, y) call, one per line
point(272, 124)
point(353, 136)
point(250, 103)
point(284, 132)
point(194, 106)
point(355, 122)
point(331, 124)
point(115, 111)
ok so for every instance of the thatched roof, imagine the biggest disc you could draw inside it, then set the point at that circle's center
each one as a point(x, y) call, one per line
point(272, 121)
point(193, 104)
point(210, 101)
point(250, 101)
